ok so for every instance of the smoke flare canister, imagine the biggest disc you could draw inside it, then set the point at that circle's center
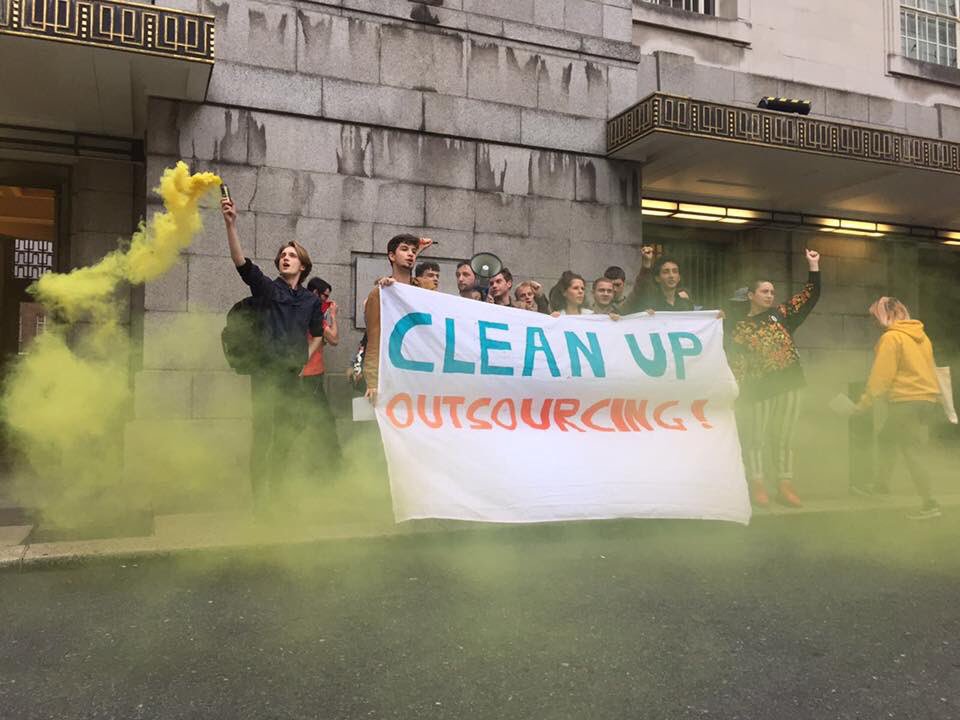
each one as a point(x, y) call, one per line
point(224, 191)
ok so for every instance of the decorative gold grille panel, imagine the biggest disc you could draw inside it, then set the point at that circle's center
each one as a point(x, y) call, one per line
point(700, 118)
point(112, 24)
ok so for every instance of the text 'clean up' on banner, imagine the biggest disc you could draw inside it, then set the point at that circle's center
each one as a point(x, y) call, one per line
point(498, 414)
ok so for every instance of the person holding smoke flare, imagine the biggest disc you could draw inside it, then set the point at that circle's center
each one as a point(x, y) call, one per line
point(765, 361)
point(287, 311)
point(904, 373)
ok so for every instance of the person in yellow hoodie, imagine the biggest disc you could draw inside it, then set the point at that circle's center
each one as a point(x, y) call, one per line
point(904, 375)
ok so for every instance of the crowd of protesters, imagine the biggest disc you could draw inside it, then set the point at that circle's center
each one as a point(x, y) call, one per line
point(300, 320)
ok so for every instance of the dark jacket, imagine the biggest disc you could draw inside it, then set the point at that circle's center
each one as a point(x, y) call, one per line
point(761, 350)
point(287, 314)
point(647, 295)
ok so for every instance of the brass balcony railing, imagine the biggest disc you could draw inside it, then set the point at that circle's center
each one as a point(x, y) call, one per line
point(112, 24)
point(663, 113)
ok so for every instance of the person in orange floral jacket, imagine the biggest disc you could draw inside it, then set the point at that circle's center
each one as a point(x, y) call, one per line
point(765, 361)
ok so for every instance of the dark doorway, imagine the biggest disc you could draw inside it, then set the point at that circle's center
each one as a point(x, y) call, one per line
point(939, 298)
point(28, 248)
point(700, 254)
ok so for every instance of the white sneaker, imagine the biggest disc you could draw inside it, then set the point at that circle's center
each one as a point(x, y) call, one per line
point(928, 511)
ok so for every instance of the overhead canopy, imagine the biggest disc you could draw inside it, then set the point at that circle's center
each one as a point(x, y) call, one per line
point(695, 149)
point(88, 67)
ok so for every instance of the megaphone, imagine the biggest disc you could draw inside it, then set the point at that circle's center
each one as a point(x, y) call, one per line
point(485, 265)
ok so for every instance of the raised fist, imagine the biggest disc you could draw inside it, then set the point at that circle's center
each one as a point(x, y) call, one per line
point(647, 253)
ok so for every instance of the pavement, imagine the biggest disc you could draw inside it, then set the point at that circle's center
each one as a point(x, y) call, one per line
point(827, 615)
point(239, 530)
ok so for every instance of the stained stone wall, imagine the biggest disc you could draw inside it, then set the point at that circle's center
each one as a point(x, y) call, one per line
point(102, 208)
point(342, 125)
point(105, 203)
point(480, 123)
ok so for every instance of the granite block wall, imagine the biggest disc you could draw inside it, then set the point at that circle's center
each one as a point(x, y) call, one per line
point(480, 124)
point(341, 124)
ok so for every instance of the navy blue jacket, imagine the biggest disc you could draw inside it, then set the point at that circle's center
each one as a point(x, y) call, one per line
point(287, 315)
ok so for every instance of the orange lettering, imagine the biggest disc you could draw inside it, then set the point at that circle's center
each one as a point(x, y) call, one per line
point(391, 414)
point(658, 417)
point(422, 411)
point(593, 410)
point(526, 407)
point(495, 413)
point(563, 410)
point(698, 413)
point(453, 402)
point(475, 422)
point(636, 415)
point(616, 414)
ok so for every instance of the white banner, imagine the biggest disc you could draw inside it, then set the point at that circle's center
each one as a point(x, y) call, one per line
point(503, 415)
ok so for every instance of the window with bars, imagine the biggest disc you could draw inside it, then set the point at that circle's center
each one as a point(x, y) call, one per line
point(701, 266)
point(704, 7)
point(928, 30)
point(702, 270)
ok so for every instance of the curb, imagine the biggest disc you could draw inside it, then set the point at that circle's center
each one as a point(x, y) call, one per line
point(17, 558)
point(88, 552)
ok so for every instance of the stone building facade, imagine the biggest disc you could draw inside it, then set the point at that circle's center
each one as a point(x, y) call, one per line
point(487, 125)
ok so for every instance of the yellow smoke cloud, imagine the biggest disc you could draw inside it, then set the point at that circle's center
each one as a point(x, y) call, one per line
point(67, 399)
point(153, 250)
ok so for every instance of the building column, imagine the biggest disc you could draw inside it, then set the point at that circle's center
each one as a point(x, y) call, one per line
point(903, 272)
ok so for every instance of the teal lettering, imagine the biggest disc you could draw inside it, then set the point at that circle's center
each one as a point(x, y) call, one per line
point(655, 366)
point(680, 352)
point(395, 347)
point(537, 342)
point(487, 344)
point(593, 354)
point(450, 363)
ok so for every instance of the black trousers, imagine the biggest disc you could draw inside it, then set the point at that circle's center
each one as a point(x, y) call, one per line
point(323, 446)
point(279, 411)
point(905, 433)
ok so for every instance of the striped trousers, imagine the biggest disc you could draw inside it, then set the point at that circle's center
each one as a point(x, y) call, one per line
point(767, 427)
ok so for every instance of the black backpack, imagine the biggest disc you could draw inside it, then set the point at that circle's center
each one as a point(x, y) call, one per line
point(242, 337)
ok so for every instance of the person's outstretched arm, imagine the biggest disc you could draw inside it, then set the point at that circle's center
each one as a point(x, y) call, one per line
point(250, 273)
point(331, 333)
point(229, 212)
point(639, 297)
point(371, 356)
point(796, 309)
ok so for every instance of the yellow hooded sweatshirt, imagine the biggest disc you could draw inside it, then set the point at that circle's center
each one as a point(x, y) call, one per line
point(903, 367)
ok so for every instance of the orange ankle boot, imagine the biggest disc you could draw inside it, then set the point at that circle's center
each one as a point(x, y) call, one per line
point(758, 493)
point(788, 496)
